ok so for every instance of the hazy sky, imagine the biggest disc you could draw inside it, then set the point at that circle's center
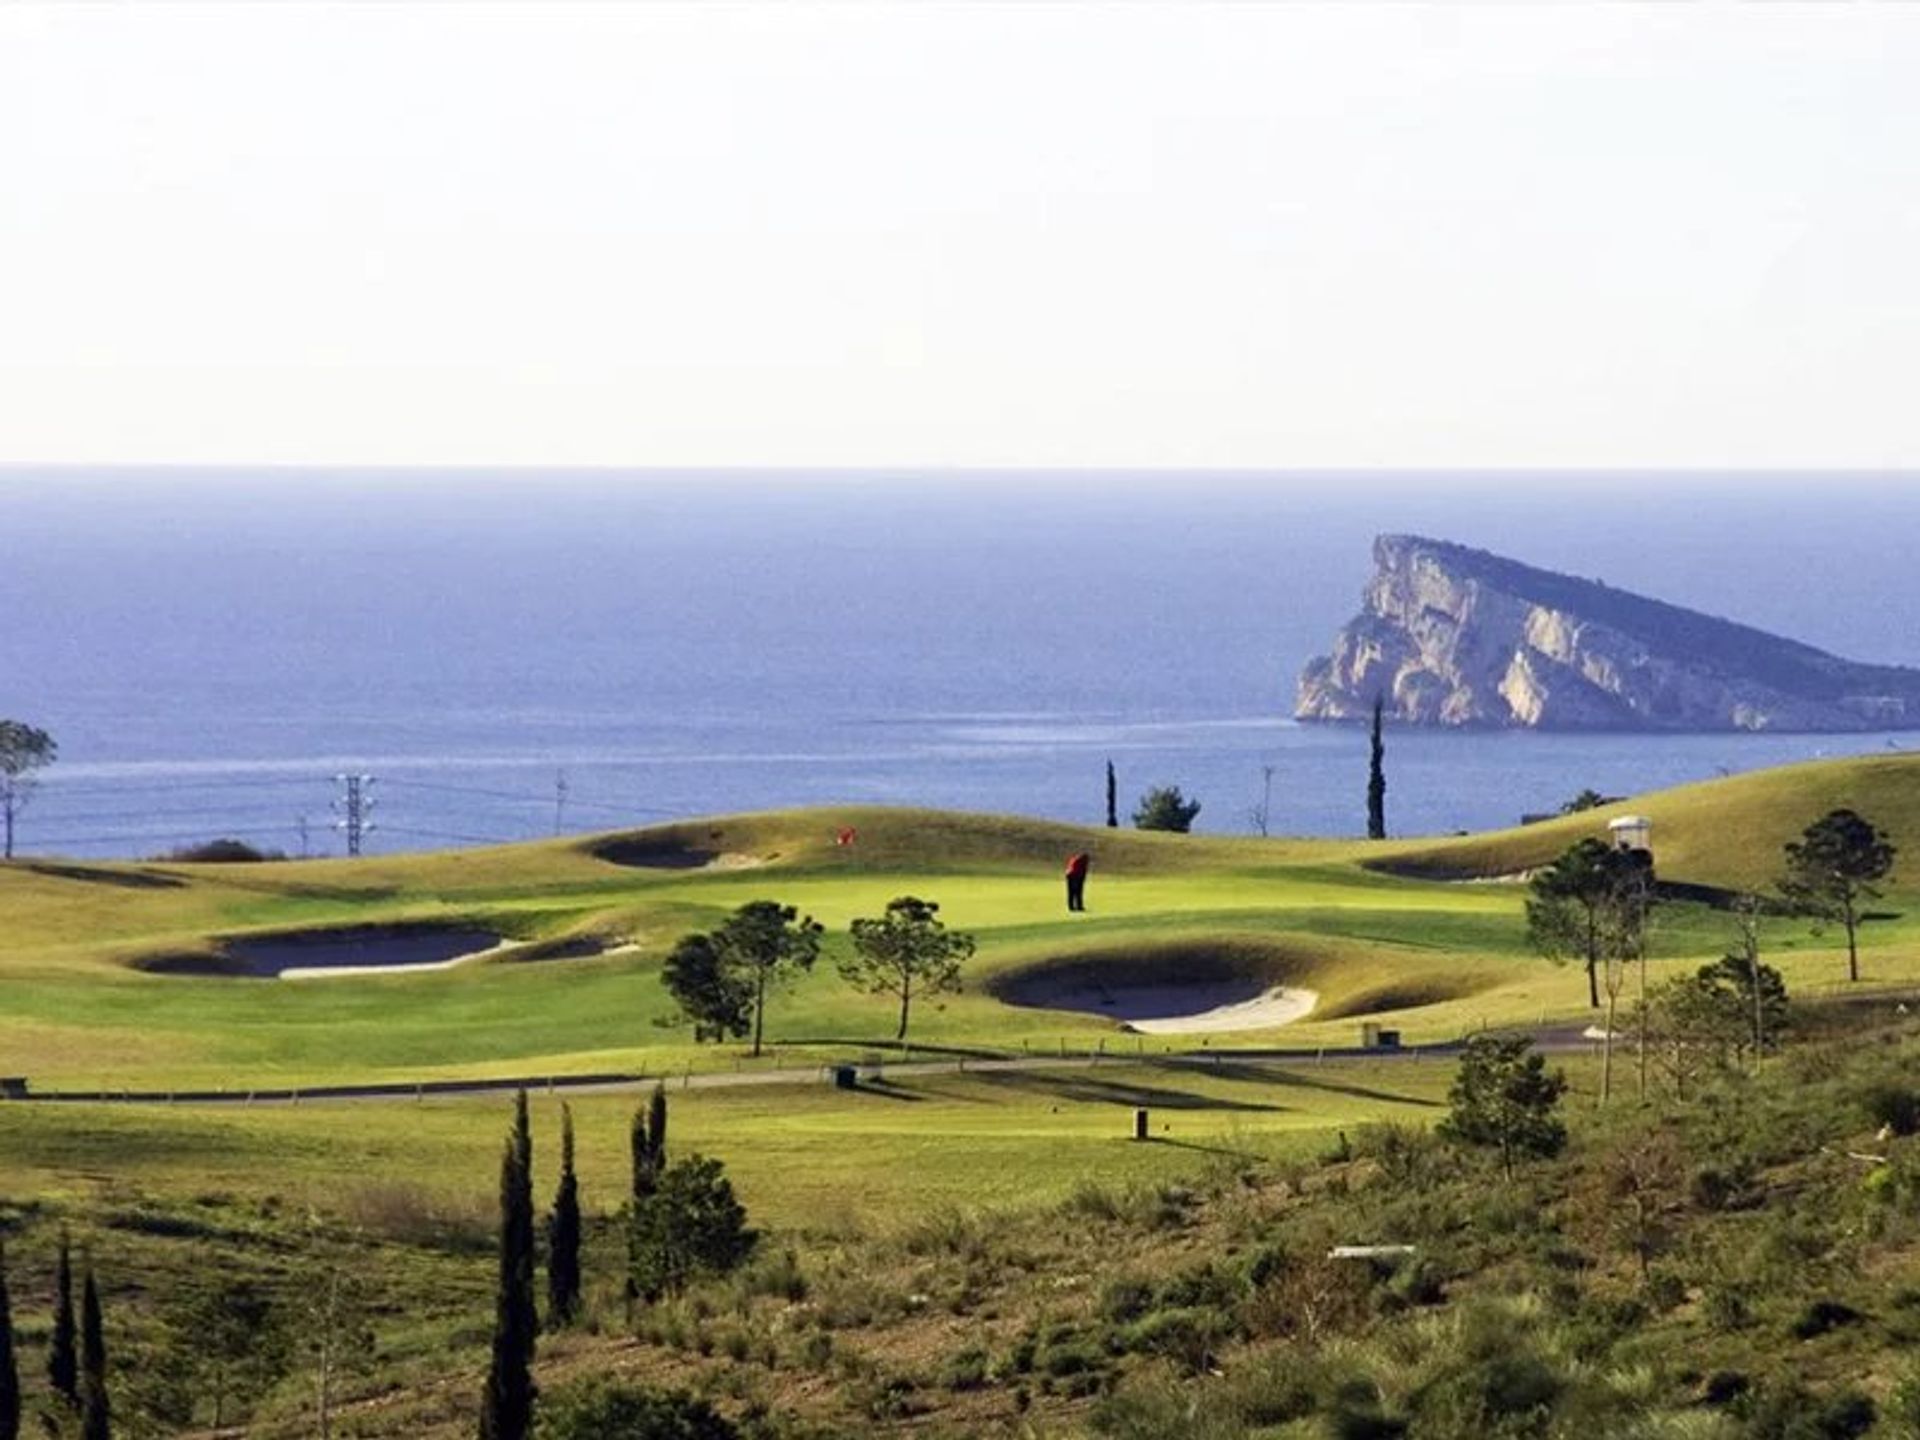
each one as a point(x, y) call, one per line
point(1244, 235)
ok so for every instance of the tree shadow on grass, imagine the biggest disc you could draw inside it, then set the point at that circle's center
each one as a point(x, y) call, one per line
point(907, 1050)
point(1198, 1148)
point(884, 1089)
point(118, 879)
point(1089, 1090)
point(1274, 1075)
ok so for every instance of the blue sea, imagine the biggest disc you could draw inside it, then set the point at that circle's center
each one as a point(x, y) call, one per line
point(515, 655)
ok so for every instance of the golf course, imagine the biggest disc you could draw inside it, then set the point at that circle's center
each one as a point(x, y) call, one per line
point(169, 976)
point(183, 1032)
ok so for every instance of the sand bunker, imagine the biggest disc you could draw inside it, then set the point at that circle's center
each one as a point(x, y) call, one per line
point(353, 950)
point(1198, 1008)
point(682, 847)
point(1180, 988)
point(1281, 1005)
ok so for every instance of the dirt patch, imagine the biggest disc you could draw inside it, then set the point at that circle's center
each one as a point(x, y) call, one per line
point(346, 950)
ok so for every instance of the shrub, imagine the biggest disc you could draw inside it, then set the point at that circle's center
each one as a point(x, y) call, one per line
point(1725, 1307)
point(1189, 1337)
point(216, 852)
point(1165, 808)
point(816, 1351)
point(945, 1230)
point(1072, 1357)
point(1203, 1284)
point(598, 1410)
point(1126, 1297)
point(1823, 1316)
point(1666, 1290)
point(965, 1370)
point(1417, 1281)
point(880, 1396)
point(1903, 1404)
point(690, 1225)
point(1791, 1412)
point(778, 1275)
point(1480, 1396)
point(1723, 1387)
point(1157, 1207)
point(1895, 1107)
point(1714, 1189)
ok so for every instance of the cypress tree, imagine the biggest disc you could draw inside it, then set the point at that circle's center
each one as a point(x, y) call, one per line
point(63, 1356)
point(1377, 778)
point(563, 1235)
point(96, 1419)
point(506, 1410)
point(656, 1135)
point(9, 1369)
point(648, 1142)
point(1113, 799)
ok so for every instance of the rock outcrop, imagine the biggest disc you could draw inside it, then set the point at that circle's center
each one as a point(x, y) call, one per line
point(1454, 636)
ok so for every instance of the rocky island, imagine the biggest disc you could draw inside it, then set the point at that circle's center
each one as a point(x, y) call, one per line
point(1450, 635)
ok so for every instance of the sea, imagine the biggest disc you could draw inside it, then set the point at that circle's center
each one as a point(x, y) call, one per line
point(516, 655)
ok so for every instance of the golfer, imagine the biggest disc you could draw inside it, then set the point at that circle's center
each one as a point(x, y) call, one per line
point(1077, 880)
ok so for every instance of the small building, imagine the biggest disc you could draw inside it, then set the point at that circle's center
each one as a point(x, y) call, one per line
point(1375, 1036)
point(1631, 832)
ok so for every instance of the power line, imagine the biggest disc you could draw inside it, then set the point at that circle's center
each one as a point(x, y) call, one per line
point(237, 809)
point(62, 787)
point(115, 839)
point(629, 809)
point(467, 790)
point(530, 798)
point(446, 835)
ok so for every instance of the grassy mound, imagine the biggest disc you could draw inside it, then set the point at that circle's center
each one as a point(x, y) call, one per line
point(1725, 833)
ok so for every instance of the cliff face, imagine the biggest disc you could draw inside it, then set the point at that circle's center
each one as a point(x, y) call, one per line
point(1453, 636)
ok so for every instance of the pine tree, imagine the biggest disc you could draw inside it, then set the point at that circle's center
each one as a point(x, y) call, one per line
point(63, 1356)
point(506, 1411)
point(96, 1420)
point(1377, 777)
point(9, 1369)
point(1113, 799)
point(563, 1235)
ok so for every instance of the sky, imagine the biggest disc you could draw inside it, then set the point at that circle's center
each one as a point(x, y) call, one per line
point(1248, 236)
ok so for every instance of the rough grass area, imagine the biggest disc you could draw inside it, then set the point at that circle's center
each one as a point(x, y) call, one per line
point(990, 1257)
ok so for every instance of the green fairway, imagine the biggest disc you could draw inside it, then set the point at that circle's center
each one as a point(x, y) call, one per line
point(1414, 934)
point(805, 1157)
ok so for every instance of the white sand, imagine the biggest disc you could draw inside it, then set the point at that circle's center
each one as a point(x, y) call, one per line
point(1279, 1006)
point(330, 972)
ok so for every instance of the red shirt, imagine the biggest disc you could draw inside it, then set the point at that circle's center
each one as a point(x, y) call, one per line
point(1077, 866)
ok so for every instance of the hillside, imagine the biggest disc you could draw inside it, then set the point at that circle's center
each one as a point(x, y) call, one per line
point(1449, 635)
point(1726, 833)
